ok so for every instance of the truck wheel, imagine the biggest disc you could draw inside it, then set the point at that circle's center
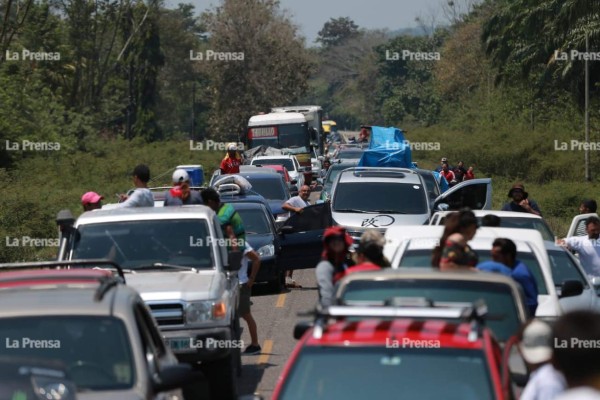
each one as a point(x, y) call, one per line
point(221, 376)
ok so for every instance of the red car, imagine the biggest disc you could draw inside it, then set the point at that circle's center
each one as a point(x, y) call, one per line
point(286, 177)
point(394, 353)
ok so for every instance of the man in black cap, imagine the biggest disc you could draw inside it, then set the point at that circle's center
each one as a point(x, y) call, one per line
point(520, 202)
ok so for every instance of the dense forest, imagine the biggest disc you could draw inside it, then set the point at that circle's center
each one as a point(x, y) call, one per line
point(103, 85)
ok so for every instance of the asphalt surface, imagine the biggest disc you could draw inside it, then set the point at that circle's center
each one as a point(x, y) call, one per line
point(275, 315)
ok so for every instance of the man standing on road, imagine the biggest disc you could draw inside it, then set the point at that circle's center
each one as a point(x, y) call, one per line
point(296, 204)
point(520, 202)
point(588, 247)
point(232, 160)
point(576, 354)
point(246, 283)
point(180, 193)
point(545, 382)
point(505, 251)
point(231, 221)
point(141, 196)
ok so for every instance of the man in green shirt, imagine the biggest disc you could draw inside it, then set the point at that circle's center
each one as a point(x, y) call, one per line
point(231, 221)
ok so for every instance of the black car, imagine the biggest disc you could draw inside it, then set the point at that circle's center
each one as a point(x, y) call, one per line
point(262, 235)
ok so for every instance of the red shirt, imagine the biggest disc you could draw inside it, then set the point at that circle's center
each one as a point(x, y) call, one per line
point(449, 175)
point(366, 266)
point(469, 175)
point(230, 165)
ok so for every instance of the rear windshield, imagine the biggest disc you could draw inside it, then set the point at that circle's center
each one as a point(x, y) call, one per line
point(255, 220)
point(271, 188)
point(422, 258)
point(395, 198)
point(503, 319)
point(95, 351)
point(348, 372)
point(286, 162)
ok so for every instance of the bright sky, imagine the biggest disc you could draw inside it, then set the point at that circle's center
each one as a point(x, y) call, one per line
point(310, 15)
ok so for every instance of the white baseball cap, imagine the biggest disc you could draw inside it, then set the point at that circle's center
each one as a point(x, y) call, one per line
point(536, 345)
point(232, 147)
point(180, 175)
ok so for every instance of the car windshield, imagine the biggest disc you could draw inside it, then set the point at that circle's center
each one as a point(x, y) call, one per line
point(135, 244)
point(95, 351)
point(384, 197)
point(564, 268)
point(521, 223)
point(271, 188)
point(349, 154)
point(334, 171)
point(353, 372)
point(422, 258)
point(503, 315)
point(255, 220)
point(286, 162)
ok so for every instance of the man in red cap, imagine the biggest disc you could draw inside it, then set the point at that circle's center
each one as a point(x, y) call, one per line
point(520, 202)
point(91, 201)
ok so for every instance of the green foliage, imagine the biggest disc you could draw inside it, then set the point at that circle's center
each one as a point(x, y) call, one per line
point(336, 31)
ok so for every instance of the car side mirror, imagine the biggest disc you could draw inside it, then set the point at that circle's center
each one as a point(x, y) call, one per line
point(176, 376)
point(441, 207)
point(234, 261)
point(300, 329)
point(571, 288)
point(286, 229)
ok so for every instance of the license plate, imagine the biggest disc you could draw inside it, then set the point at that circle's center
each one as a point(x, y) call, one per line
point(179, 344)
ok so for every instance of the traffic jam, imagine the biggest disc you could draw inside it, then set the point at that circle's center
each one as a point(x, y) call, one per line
point(157, 296)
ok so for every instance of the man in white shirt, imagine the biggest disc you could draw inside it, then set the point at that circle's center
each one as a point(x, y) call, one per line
point(141, 196)
point(246, 283)
point(588, 247)
point(576, 354)
point(297, 203)
point(545, 382)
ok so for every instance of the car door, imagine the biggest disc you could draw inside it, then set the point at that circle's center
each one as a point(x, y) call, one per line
point(475, 194)
point(577, 227)
point(302, 237)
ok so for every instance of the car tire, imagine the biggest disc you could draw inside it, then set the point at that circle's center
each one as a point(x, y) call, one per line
point(221, 375)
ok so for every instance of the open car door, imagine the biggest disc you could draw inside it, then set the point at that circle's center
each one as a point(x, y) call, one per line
point(302, 237)
point(475, 194)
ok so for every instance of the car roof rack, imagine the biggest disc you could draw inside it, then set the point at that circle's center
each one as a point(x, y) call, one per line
point(68, 264)
point(106, 282)
point(406, 307)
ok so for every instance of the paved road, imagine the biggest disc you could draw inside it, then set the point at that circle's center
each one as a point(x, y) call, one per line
point(276, 315)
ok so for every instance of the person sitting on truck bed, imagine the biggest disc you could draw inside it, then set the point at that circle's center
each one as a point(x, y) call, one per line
point(141, 196)
point(180, 193)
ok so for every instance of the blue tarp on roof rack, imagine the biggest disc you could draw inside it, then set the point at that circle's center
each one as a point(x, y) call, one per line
point(388, 148)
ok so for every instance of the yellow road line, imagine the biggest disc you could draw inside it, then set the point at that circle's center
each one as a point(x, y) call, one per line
point(280, 300)
point(267, 347)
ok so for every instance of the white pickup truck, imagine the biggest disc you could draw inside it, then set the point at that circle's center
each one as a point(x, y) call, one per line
point(176, 259)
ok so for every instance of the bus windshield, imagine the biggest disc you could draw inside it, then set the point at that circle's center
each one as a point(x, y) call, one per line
point(292, 136)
